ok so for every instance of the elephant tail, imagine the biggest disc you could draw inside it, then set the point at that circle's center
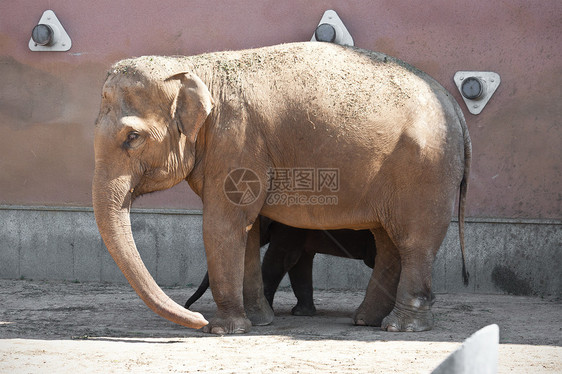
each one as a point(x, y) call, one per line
point(463, 190)
point(200, 291)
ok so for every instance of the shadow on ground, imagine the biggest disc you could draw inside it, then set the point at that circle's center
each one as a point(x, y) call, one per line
point(72, 311)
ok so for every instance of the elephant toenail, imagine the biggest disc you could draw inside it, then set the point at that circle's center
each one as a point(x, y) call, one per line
point(392, 328)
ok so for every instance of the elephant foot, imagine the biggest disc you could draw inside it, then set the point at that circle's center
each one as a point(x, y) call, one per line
point(260, 314)
point(372, 313)
point(230, 325)
point(363, 317)
point(303, 310)
point(408, 321)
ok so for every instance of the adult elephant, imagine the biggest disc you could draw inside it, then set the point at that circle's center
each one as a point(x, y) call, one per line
point(292, 250)
point(225, 122)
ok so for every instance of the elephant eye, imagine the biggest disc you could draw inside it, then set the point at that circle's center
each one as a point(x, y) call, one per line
point(131, 137)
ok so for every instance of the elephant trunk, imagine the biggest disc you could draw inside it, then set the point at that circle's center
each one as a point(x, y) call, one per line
point(112, 201)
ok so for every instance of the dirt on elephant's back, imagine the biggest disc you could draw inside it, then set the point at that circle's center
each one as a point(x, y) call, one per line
point(355, 83)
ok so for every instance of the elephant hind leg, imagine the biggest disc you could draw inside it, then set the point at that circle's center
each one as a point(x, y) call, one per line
point(381, 292)
point(417, 250)
point(273, 270)
point(257, 308)
point(284, 252)
point(412, 309)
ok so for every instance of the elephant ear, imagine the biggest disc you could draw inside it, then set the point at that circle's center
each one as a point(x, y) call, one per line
point(193, 104)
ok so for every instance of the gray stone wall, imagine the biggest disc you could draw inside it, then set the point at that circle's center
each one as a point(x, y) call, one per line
point(521, 257)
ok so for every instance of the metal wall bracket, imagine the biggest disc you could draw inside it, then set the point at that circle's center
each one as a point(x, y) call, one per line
point(49, 35)
point(476, 88)
point(332, 29)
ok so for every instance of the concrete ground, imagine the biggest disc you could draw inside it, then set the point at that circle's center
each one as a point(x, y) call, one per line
point(63, 327)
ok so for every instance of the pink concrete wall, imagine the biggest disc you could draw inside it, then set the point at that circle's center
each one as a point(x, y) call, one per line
point(49, 101)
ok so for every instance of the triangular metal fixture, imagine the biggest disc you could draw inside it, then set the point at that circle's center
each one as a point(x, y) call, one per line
point(476, 88)
point(60, 40)
point(333, 25)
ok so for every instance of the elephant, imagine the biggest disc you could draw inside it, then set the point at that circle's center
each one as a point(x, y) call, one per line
point(385, 146)
point(292, 250)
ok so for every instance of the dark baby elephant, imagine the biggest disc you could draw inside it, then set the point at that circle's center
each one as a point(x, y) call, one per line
point(291, 250)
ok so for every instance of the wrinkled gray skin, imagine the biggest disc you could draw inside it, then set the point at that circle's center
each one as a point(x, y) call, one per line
point(397, 138)
point(291, 250)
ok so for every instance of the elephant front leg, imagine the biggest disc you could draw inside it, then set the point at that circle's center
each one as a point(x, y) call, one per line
point(257, 307)
point(301, 282)
point(381, 291)
point(225, 245)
